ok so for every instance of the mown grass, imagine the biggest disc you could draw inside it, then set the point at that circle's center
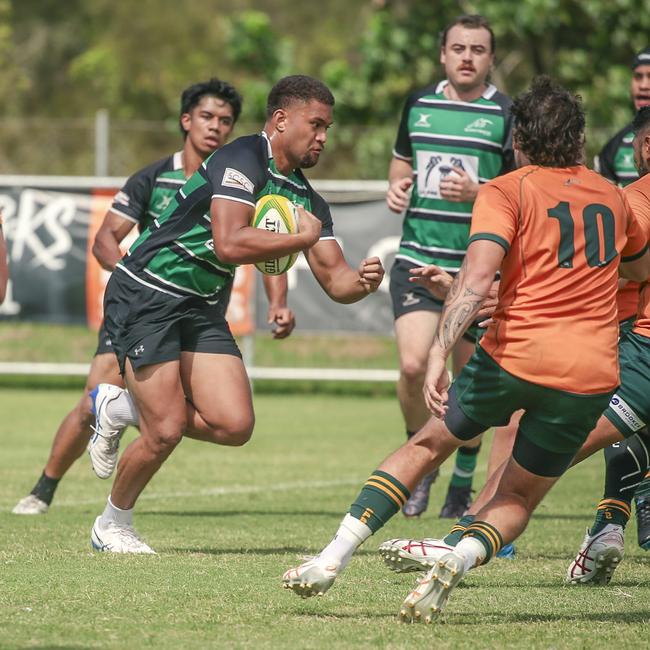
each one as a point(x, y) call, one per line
point(227, 522)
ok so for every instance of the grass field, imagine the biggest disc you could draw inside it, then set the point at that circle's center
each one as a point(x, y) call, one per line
point(227, 522)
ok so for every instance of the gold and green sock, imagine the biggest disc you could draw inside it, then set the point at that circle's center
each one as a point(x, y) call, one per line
point(381, 497)
point(487, 535)
point(453, 536)
point(610, 511)
point(464, 466)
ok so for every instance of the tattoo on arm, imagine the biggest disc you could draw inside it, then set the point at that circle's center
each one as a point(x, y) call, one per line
point(461, 307)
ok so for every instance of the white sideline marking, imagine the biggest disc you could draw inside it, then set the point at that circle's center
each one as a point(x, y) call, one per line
point(223, 491)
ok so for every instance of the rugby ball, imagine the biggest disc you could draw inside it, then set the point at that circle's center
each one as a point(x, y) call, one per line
point(276, 213)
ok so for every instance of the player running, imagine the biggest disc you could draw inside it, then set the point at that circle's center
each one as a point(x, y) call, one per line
point(208, 113)
point(560, 234)
point(181, 364)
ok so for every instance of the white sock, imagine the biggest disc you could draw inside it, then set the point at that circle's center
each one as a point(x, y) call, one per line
point(350, 535)
point(472, 550)
point(113, 514)
point(121, 411)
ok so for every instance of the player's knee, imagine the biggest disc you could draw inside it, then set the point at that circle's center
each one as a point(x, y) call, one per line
point(412, 370)
point(164, 435)
point(239, 430)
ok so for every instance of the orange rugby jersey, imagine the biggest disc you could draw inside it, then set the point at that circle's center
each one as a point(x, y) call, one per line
point(638, 195)
point(565, 231)
point(627, 300)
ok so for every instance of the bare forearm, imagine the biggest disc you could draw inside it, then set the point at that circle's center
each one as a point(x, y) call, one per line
point(107, 254)
point(250, 245)
point(344, 286)
point(399, 169)
point(276, 288)
point(464, 300)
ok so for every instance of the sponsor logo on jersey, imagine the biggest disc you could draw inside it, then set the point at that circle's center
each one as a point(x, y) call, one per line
point(409, 299)
point(423, 119)
point(626, 413)
point(234, 178)
point(210, 244)
point(481, 125)
point(122, 198)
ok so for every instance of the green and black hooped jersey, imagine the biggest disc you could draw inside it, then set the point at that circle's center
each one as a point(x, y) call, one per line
point(146, 194)
point(616, 159)
point(175, 255)
point(436, 134)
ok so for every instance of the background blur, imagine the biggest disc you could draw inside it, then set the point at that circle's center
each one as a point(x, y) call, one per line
point(62, 61)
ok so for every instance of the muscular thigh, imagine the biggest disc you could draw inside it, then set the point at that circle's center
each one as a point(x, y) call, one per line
point(217, 385)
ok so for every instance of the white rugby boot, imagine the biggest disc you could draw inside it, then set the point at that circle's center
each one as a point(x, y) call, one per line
point(312, 578)
point(429, 597)
point(105, 441)
point(30, 505)
point(598, 557)
point(117, 538)
point(406, 555)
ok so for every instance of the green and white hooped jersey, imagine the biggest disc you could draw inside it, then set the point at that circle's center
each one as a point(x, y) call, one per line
point(616, 159)
point(148, 193)
point(175, 255)
point(436, 134)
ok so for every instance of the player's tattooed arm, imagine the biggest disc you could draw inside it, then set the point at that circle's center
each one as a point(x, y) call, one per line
point(461, 307)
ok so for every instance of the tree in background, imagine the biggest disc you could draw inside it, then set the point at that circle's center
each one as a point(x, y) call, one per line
point(62, 61)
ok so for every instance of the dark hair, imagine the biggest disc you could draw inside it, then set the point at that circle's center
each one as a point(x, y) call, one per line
point(297, 87)
point(473, 21)
point(641, 120)
point(549, 124)
point(212, 88)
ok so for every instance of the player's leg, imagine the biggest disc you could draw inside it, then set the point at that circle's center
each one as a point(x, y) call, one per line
point(161, 429)
point(388, 488)
point(459, 492)
point(642, 506)
point(71, 437)
point(552, 429)
point(414, 333)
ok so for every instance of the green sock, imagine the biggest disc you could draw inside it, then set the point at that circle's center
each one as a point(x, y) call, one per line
point(381, 497)
point(487, 535)
point(453, 536)
point(464, 467)
point(610, 511)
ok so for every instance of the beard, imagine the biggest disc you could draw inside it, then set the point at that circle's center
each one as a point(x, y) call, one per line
point(309, 160)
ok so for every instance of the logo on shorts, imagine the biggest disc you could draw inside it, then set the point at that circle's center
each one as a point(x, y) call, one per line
point(234, 178)
point(409, 299)
point(626, 413)
point(139, 350)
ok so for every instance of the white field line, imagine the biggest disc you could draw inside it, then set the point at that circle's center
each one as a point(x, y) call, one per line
point(232, 490)
point(217, 491)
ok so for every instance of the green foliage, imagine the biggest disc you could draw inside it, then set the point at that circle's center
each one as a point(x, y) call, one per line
point(134, 59)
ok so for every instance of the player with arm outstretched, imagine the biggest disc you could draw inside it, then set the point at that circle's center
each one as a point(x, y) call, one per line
point(208, 113)
point(559, 234)
point(182, 367)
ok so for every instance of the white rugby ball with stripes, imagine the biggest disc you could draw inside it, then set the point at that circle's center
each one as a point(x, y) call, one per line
point(276, 213)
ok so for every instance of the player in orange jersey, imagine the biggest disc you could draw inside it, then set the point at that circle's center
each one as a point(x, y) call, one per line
point(560, 234)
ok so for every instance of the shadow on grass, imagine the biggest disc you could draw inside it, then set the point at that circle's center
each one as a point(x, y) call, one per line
point(281, 550)
point(241, 513)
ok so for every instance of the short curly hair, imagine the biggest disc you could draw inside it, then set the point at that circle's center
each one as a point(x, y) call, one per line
point(211, 88)
point(297, 87)
point(549, 124)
